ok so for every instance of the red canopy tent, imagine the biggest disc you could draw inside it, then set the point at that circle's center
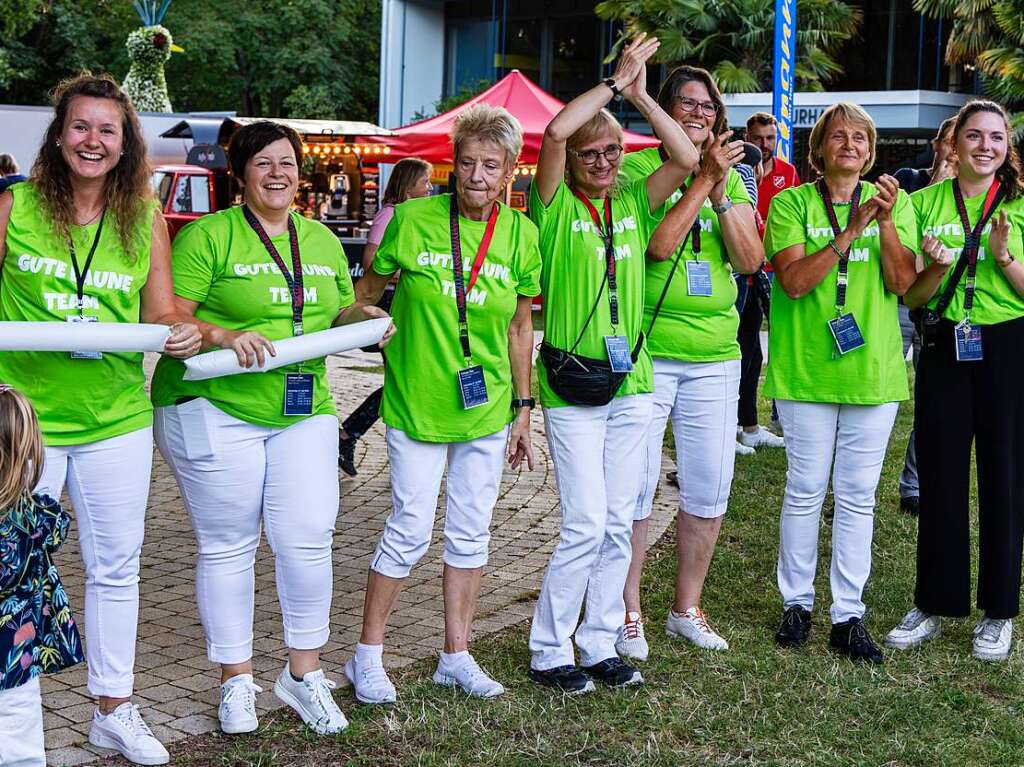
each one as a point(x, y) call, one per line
point(534, 108)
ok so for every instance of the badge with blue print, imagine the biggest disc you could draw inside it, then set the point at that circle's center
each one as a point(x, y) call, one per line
point(968, 342)
point(846, 333)
point(698, 278)
point(76, 318)
point(472, 387)
point(298, 394)
point(618, 354)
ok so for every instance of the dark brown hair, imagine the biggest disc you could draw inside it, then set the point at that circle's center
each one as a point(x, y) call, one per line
point(253, 138)
point(1009, 173)
point(21, 447)
point(126, 192)
point(761, 118)
point(406, 172)
point(8, 165)
point(680, 76)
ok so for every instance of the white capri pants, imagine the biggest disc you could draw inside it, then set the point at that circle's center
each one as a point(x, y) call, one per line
point(234, 477)
point(701, 399)
point(598, 456)
point(108, 483)
point(21, 726)
point(474, 476)
point(857, 435)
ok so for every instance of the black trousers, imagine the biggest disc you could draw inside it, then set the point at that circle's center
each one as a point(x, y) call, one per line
point(751, 358)
point(958, 403)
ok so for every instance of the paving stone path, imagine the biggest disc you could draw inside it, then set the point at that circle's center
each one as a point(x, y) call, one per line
point(176, 686)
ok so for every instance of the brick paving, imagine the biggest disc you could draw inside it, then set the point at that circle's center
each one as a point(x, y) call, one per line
point(176, 686)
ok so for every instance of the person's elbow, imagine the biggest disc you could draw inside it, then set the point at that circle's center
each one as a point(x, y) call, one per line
point(554, 134)
point(657, 252)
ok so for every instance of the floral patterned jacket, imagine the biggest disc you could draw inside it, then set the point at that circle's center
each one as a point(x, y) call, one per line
point(37, 632)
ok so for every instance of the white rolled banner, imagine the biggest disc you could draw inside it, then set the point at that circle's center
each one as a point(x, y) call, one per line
point(82, 337)
point(223, 362)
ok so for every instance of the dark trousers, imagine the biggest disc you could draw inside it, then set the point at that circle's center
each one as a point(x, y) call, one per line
point(751, 357)
point(958, 403)
point(364, 416)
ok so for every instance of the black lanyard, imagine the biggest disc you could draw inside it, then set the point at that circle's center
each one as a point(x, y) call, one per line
point(294, 279)
point(972, 235)
point(458, 275)
point(605, 233)
point(844, 262)
point(82, 273)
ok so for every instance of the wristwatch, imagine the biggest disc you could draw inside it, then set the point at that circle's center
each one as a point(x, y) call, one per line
point(723, 207)
point(529, 402)
point(1007, 261)
point(616, 93)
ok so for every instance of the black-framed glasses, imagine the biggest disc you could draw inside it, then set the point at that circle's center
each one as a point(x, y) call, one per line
point(707, 108)
point(611, 153)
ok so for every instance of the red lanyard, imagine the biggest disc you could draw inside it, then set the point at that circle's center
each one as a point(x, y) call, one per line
point(605, 233)
point(461, 289)
point(294, 279)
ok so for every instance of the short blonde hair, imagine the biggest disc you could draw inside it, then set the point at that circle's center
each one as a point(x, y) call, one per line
point(851, 113)
point(485, 122)
point(21, 447)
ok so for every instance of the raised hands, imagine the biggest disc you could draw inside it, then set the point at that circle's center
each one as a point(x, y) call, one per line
point(888, 190)
point(631, 69)
point(719, 157)
point(999, 237)
point(936, 252)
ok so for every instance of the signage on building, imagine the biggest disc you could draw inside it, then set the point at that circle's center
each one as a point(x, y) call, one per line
point(783, 75)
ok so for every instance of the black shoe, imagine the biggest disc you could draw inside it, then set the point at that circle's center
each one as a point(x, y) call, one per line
point(614, 672)
point(795, 627)
point(569, 679)
point(852, 638)
point(347, 455)
point(673, 478)
point(911, 505)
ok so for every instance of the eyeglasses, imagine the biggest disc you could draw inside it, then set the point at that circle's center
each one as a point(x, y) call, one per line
point(707, 108)
point(611, 153)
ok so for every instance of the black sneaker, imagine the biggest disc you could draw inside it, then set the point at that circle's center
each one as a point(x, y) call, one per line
point(347, 455)
point(795, 627)
point(852, 638)
point(614, 672)
point(569, 679)
point(673, 478)
point(911, 505)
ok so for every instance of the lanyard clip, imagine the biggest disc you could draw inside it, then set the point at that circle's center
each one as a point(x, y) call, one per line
point(296, 327)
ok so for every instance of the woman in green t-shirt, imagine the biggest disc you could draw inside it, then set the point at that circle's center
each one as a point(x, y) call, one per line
point(456, 388)
point(260, 450)
point(691, 322)
point(82, 241)
point(968, 386)
point(840, 251)
point(595, 373)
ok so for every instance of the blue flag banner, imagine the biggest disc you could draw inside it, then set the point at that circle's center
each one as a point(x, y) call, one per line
point(782, 75)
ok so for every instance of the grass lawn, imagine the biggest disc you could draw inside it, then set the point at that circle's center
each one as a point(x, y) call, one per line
point(755, 704)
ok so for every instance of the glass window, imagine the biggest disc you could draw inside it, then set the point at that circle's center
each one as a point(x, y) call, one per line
point(469, 54)
point(200, 193)
point(161, 184)
point(575, 55)
point(182, 196)
point(523, 48)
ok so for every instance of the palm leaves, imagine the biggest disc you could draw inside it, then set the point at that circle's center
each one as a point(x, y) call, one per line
point(733, 38)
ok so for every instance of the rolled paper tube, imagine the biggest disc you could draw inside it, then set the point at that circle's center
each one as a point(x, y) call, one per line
point(82, 337)
point(223, 362)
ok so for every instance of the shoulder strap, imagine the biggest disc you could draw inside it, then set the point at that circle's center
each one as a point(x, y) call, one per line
point(668, 282)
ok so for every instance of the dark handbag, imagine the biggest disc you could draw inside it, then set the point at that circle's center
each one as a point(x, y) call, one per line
point(583, 380)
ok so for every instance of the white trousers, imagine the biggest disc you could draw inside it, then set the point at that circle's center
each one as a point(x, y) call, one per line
point(474, 476)
point(857, 436)
point(598, 456)
point(235, 477)
point(701, 398)
point(21, 726)
point(108, 483)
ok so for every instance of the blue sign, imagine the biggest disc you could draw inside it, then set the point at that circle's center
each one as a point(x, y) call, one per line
point(783, 76)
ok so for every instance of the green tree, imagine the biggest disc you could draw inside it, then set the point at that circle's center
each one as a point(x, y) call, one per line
point(734, 38)
point(987, 35)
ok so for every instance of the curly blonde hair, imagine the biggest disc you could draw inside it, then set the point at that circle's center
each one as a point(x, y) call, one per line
point(126, 193)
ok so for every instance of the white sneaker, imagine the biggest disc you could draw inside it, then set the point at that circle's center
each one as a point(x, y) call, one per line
point(916, 628)
point(311, 699)
point(468, 675)
point(124, 730)
point(370, 682)
point(992, 638)
point(237, 712)
point(760, 438)
point(742, 449)
point(693, 627)
point(631, 642)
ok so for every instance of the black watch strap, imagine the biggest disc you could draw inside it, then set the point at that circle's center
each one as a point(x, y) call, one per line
point(610, 82)
point(529, 402)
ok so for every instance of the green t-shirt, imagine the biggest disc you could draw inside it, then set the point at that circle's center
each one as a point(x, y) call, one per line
point(221, 264)
point(803, 363)
point(574, 272)
point(692, 328)
point(995, 300)
point(421, 385)
point(78, 400)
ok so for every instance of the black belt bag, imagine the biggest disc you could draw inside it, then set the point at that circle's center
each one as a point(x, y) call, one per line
point(583, 380)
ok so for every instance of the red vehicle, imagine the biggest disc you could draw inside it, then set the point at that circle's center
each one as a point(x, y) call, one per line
point(187, 192)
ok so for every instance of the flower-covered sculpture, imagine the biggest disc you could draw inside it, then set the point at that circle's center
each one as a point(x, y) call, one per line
point(148, 48)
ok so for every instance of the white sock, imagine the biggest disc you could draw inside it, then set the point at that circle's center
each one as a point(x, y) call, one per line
point(454, 659)
point(371, 654)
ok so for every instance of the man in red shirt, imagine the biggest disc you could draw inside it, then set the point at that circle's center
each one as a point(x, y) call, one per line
point(777, 174)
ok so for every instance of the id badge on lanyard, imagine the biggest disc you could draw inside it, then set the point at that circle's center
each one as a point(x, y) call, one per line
point(80, 277)
point(967, 340)
point(843, 327)
point(698, 273)
point(76, 318)
point(846, 333)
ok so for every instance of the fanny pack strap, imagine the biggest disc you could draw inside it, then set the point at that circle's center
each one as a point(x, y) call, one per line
point(668, 282)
